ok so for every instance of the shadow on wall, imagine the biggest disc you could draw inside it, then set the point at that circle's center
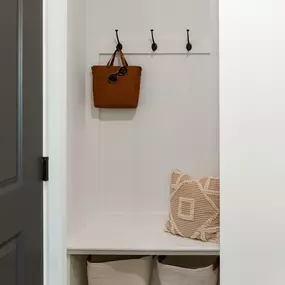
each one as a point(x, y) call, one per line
point(112, 114)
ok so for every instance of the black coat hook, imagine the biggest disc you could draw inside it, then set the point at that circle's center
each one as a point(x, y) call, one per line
point(154, 45)
point(189, 45)
point(119, 45)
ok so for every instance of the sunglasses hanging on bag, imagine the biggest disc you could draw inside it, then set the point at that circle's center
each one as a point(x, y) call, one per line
point(113, 78)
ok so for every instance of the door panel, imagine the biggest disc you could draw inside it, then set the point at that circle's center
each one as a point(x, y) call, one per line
point(8, 262)
point(8, 89)
point(21, 205)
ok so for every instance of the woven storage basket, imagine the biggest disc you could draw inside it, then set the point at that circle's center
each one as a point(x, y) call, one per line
point(190, 274)
point(120, 272)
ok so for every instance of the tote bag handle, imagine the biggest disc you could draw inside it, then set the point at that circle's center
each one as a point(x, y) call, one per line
point(122, 57)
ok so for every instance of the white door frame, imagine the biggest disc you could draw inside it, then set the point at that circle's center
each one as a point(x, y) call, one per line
point(55, 135)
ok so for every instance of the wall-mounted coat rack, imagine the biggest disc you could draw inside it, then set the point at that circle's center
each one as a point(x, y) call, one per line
point(154, 45)
point(190, 44)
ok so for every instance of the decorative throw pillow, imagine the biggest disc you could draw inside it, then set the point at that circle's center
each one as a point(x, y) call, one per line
point(194, 207)
point(177, 177)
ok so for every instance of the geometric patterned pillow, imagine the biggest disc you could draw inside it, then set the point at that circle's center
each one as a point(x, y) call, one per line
point(194, 207)
point(177, 177)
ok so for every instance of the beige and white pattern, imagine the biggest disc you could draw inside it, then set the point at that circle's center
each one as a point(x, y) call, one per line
point(177, 177)
point(194, 207)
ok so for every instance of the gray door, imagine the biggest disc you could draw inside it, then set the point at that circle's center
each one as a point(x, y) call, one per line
point(21, 203)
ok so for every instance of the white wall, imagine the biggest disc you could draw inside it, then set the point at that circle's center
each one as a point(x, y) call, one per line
point(252, 116)
point(76, 51)
point(121, 160)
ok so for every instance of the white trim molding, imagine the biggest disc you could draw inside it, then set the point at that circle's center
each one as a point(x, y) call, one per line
point(55, 73)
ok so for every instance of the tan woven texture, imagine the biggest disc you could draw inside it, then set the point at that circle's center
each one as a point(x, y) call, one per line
point(194, 207)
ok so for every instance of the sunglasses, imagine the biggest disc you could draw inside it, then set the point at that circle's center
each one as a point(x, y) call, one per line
point(113, 78)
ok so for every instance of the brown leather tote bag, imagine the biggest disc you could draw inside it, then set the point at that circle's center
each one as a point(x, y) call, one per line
point(116, 86)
